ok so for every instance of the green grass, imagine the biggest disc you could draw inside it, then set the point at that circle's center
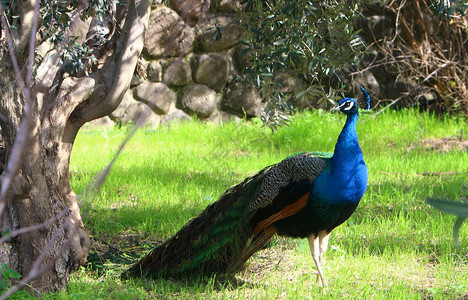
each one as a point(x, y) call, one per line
point(395, 246)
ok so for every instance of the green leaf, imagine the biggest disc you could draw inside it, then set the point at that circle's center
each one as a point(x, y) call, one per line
point(449, 206)
point(300, 94)
point(10, 273)
point(456, 231)
point(279, 42)
point(313, 38)
point(459, 209)
point(3, 285)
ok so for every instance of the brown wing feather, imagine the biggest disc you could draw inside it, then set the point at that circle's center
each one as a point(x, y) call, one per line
point(287, 211)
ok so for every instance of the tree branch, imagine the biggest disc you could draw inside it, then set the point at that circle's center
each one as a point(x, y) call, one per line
point(28, 23)
point(117, 72)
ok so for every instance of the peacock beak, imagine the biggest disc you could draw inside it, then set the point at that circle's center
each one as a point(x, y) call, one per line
point(337, 107)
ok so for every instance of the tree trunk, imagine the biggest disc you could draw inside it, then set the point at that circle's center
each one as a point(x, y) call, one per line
point(46, 195)
point(41, 192)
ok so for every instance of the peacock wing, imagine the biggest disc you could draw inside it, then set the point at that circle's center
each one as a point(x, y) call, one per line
point(294, 174)
point(285, 189)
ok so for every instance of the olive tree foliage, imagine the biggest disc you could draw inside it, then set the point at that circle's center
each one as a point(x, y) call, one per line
point(309, 40)
point(320, 43)
point(63, 63)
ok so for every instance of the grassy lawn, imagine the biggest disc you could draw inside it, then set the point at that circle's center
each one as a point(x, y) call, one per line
point(395, 246)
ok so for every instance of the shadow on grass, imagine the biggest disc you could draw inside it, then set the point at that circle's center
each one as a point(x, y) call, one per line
point(392, 198)
point(125, 194)
point(394, 218)
point(197, 284)
point(118, 244)
point(124, 231)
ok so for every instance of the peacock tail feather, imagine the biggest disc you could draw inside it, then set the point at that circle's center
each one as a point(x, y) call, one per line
point(221, 238)
point(306, 195)
point(209, 243)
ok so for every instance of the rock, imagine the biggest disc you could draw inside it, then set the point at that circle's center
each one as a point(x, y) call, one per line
point(227, 54)
point(431, 23)
point(127, 99)
point(227, 6)
point(427, 99)
point(211, 70)
point(136, 80)
point(175, 116)
point(242, 99)
point(154, 71)
point(105, 121)
point(399, 88)
point(377, 27)
point(223, 117)
point(211, 41)
point(292, 86)
point(177, 73)
point(197, 99)
point(190, 10)
point(157, 96)
point(241, 58)
point(131, 111)
point(167, 34)
point(370, 83)
point(289, 83)
point(373, 58)
point(140, 112)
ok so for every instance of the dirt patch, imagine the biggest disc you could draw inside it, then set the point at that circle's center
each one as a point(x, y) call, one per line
point(443, 144)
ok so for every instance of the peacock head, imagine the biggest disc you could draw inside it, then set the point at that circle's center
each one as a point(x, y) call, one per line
point(347, 105)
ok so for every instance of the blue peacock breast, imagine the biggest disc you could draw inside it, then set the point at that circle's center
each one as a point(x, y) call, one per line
point(340, 187)
point(331, 202)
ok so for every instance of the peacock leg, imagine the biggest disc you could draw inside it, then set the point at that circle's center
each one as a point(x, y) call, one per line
point(323, 237)
point(314, 243)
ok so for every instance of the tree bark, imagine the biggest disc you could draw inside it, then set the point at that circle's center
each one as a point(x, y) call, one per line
point(41, 191)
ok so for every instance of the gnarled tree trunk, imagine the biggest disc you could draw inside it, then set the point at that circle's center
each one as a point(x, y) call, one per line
point(47, 120)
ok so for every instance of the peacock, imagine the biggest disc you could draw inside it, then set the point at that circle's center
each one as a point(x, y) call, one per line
point(305, 195)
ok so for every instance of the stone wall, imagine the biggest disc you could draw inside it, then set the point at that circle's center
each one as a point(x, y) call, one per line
point(186, 70)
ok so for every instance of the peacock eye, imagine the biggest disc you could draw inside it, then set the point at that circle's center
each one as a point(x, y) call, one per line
point(348, 105)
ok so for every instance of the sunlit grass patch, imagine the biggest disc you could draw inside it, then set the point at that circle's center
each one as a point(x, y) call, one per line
point(395, 246)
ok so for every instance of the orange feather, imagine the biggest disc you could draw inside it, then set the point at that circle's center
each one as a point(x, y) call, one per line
point(287, 211)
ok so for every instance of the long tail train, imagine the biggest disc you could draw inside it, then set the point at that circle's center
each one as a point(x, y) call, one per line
point(215, 242)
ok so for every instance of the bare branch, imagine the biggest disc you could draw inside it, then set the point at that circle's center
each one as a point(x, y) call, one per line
point(41, 226)
point(47, 71)
point(32, 43)
point(114, 77)
point(28, 9)
point(94, 186)
point(389, 105)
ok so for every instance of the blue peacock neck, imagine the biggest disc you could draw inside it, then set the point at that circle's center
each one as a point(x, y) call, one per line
point(347, 151)
point(347, 145)
point(348, 172)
